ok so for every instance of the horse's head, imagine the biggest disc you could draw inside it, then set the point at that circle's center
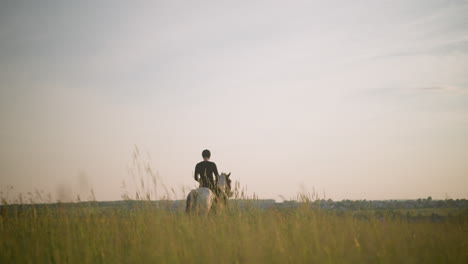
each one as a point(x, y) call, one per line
point(224, 184)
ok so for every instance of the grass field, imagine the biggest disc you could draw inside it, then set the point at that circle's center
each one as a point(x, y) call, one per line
point(150, 234)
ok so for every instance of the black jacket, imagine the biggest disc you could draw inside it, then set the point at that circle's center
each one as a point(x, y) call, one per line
point(204, 173)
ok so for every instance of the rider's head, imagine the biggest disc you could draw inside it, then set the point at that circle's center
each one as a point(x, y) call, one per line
point(206, 154)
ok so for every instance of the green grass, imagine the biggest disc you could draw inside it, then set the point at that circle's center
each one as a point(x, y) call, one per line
point(146, 234)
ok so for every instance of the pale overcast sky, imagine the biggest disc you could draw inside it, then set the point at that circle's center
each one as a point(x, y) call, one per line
point(355, 99)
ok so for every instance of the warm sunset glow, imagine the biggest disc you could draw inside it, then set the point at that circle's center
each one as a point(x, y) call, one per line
point(361, 100)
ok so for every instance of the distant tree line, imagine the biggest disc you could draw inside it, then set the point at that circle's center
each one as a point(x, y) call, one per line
point(391, 204)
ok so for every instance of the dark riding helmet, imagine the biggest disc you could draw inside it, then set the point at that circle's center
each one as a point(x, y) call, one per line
point(206, 154)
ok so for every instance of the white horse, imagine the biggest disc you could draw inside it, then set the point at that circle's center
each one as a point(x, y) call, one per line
point(200, 200)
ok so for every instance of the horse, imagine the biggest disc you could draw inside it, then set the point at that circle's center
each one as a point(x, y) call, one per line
point(201, 200)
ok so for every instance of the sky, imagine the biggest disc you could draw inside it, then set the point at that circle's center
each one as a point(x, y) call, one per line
point(344, 99)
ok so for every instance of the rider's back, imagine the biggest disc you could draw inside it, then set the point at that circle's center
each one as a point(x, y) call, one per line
point(206, 169)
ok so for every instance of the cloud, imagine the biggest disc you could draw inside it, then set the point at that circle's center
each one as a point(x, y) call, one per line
point(444, 88)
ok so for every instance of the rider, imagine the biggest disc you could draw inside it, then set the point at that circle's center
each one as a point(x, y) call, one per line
point(204, 171)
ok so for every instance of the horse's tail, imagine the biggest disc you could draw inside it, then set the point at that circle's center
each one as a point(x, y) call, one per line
point(191, 201)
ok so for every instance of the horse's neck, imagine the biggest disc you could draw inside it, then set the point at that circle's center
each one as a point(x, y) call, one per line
point(222, 183)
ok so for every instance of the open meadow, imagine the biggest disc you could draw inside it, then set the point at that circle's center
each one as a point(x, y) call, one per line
point(149, 232)
point(121, 123)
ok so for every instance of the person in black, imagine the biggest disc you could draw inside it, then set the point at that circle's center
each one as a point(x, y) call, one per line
point(204, 171)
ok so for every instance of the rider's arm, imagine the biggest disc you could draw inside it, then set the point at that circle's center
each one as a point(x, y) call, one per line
point(215, 171)
point(196, 173)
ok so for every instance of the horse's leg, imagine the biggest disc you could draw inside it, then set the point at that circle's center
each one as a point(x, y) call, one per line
point(205, 206)
point(191, 202)
point(212, 203)
point(188, 204)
